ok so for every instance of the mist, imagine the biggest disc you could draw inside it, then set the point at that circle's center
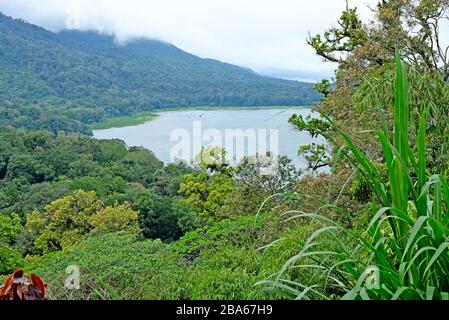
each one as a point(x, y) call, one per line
point(264, 35)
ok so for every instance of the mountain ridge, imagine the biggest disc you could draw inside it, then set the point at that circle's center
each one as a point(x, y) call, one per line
point(72, 79)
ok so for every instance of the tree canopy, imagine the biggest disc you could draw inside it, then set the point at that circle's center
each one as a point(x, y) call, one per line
point(70, 80)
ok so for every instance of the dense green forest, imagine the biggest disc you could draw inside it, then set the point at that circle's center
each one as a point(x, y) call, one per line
point(61, 192)
point(68, 80)
point(374, 227)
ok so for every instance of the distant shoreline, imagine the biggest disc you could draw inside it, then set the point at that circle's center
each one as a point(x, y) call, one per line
point(144, 117)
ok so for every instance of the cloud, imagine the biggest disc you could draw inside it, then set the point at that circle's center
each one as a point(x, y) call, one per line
point(259, 34)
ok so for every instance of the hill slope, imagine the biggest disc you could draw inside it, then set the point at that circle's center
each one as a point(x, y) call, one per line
point(67, 80)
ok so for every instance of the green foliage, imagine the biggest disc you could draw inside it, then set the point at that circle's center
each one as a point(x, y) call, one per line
point(10, 259)
point(138, 165)
point(427, 90)
point(314, 126)
point(113, 219)
point(88, 202)
point(324, 87)
point(361, 49)
point(119, 122)
point(226, 274)
point(216, 262)
point(71, 80)
point(130, 268)
point(360, 189)
point(403, 253)
point(266, 174)
point(10, 227)
point(68, 220)
point(168, 179)
point(39, 168)
point(161, 217)
point(316, 156)
point(213, 159)
point(412, 27)
point(220, 261)
point(342, 39)
point(116, 175)
point(236, 232)
point(206, 193)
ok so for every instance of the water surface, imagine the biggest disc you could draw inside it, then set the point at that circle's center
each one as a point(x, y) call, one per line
point(155, 135)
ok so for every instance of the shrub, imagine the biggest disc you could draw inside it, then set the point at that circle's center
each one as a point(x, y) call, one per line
point(10, 259)
point(403, 253)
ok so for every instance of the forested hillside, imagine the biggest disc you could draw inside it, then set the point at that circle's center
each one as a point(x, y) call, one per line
point(72, 79)
point(169, 231)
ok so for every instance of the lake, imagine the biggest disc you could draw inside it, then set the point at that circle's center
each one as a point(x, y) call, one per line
point(181, 134)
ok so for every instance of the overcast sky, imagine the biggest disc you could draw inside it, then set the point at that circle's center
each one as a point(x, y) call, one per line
point(268, 36)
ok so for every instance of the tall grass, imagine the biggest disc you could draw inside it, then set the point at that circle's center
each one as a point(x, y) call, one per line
point(403, 253)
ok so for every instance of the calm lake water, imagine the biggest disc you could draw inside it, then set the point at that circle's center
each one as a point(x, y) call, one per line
point(164, 134)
